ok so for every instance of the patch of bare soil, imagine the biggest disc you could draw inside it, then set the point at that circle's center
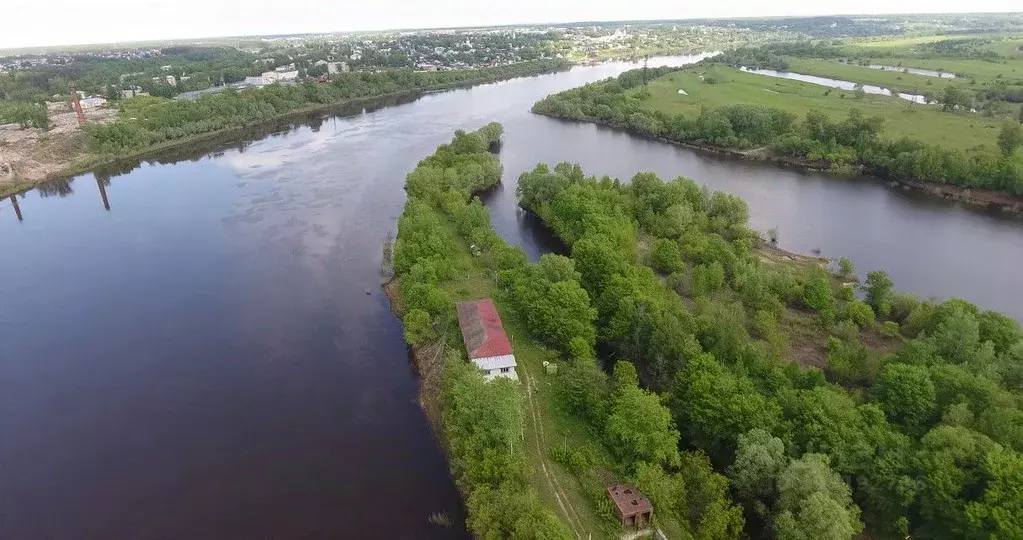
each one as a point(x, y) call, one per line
point(808, 344)
point(30, 155)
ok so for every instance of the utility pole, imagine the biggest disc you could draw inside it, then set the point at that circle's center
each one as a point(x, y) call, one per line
point(78, 106)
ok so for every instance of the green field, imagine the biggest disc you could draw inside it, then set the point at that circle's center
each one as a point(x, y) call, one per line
point(927, 123)
point(904, 52)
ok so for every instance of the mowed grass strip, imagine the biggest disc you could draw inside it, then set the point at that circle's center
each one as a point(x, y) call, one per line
point(927, 123)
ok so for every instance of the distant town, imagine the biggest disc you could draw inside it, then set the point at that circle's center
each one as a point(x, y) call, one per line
point(211, 66)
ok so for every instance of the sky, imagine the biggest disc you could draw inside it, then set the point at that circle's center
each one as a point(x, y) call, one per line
point(30, 23)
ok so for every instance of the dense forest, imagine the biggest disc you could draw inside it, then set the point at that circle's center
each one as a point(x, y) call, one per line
point(746, 396)
point(910, 427)
point(146, 121)
point(815, 140)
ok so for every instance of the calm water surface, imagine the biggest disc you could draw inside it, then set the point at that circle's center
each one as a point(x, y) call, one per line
point(916, 71)
point(202, 360)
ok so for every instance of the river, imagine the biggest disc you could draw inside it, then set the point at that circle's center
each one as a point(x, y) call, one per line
point(915, 71)
point(198, 347)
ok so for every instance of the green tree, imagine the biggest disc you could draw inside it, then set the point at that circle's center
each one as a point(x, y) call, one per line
point(846, 269)
point(585, 390)
point(851, 361)
point(817, 293)
point(759, 459)
point(1010, 138)
point(708, 509)
point(859, 313)
point(714, 406)
point(951, 464)
point(817, 517)
point(640, 429)
point(814, 502)
point(957, 336)
point(999, 514)
point(708, 278)
point(953, 97)
point(906, 394)
point(418, 328)
point(666, 256)
point(879, 289)
point(696, 496)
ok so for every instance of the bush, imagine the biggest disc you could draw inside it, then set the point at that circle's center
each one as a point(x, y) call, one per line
point(859, 313)
point(418, 328)
point(666, 257)
point(846, 330)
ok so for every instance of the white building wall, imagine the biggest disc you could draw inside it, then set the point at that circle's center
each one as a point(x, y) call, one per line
point(497, 366)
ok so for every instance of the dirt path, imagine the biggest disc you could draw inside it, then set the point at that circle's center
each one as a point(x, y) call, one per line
point(539, 437)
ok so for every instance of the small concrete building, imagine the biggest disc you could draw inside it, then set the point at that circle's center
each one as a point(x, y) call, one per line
point(632, 507)
point(257, 82)
point(92, 102)
point(485, 339)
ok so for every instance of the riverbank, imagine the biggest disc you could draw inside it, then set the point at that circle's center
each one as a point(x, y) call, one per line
point(980, 198)
point(73, 155)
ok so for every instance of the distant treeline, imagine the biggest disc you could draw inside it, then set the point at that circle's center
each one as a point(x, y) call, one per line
point(815, 140)
point(146, 121)
point(774, 55)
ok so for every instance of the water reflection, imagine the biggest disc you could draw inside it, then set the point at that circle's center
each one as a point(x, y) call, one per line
point(60, 187)
point(102, 182)
point(255, 390)
point(17, 209)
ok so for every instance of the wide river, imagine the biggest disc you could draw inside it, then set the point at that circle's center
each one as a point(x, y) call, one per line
point(199, 348)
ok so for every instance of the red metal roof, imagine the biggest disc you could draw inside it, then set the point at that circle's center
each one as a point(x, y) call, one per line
point(481, 329)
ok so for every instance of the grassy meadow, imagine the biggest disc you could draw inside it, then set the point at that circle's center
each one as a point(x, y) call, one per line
point(927, 123)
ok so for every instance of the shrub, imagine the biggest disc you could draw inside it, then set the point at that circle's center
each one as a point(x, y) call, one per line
point(859, 313)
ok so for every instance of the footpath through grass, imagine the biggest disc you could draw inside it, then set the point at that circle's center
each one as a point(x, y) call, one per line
point(547, 422)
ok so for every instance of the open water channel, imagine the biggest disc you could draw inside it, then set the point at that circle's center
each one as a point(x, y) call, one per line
point(197, 347)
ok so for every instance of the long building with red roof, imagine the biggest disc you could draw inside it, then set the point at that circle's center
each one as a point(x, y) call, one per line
point(485, 339)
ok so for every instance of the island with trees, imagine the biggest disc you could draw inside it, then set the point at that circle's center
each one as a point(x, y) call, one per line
point(747, 392)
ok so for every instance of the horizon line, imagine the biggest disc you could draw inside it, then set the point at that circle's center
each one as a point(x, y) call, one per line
point(11, 51)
